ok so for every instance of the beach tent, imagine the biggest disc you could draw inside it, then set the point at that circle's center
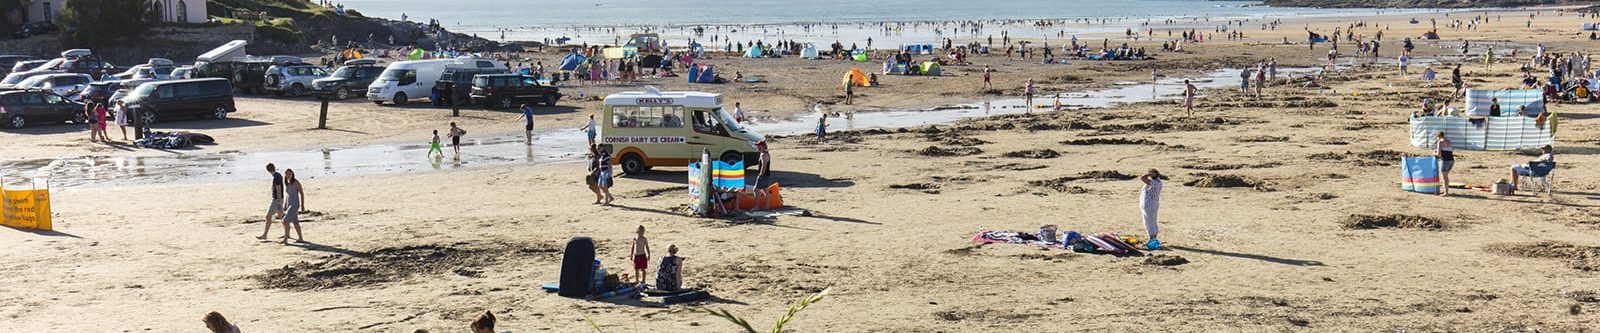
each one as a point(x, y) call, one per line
point(416, 54)
point(753, 52)
point(708, 74)
point(855, 77)
point(694, 73)
point(572, 61)
point(930, 68)
point(859, 56)
point(810, 52)
point(1478, 101)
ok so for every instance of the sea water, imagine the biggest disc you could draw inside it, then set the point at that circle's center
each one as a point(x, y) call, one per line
point(821, 21)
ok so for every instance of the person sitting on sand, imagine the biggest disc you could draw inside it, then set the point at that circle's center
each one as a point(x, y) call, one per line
point(217, 324)
point(669, 276)
point(1524, 170)
point(484, 323)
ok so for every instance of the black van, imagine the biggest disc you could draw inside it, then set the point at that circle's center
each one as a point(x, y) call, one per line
point(211, 97)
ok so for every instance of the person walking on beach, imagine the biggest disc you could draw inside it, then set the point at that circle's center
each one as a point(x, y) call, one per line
point(527, 127)
point(292, 206)
point(738, 113)
point(1244, 80)
point(275, 209)
point(1272, 69)
point(593, 178)
point(641, 255)
point(822, 127)
point(849, 92)
point(433, 145)
point(986, 84)
point(1150, 201)
point(100, 122)
point(122, 118)
point(1455, 80)
point(590, 129)
point(455, 137)
point(603, 173)
point(1447, 161)
point(1188, 97)
point(1488, 58)
point(1405, 59)
point(1261, 78)
point(1027, 94)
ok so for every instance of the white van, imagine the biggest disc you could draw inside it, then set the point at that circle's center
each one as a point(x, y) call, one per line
point(405, 80)
point(653, 128)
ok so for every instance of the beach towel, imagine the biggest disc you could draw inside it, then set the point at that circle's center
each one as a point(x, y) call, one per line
point(1012, 237)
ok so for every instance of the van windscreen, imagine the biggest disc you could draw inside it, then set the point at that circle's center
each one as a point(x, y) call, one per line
point(393, 74)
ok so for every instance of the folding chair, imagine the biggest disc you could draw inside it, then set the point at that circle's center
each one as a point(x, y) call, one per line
point(1540, 178)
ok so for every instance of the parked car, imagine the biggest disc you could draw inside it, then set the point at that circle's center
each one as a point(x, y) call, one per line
point(165, 100)
point(181, 73)
point(349, 80)
point(103, 91)
point(91, 65)
point(35, 29)
point(293, 79)
point(507, 90)
point(64, 84)
point(155, 68)
point(19, 108)
point(9, 61)
point(247, 74)
point(49, 67)
point(26, 65)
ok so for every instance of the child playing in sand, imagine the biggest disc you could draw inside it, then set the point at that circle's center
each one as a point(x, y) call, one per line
point(1150, 200)
point(641, 255)
point(217, 324)
point(484, 323)
point(433, 146)
point(822, 128)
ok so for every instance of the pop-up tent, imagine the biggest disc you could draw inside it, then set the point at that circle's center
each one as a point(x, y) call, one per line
point(572, 61)
point(859, 56)
point(930, 68)
point(753, 52)
point(810, 52)
point(855, 77)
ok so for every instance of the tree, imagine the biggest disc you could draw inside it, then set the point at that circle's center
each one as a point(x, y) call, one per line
point(8, 7)
point(105, 22)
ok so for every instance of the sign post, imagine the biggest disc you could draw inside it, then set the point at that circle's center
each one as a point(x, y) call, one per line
point(322, 117)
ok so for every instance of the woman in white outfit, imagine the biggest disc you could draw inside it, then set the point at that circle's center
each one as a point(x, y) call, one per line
point(1150, 200)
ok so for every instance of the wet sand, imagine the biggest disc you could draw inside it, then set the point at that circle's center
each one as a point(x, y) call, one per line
point(1284, 211)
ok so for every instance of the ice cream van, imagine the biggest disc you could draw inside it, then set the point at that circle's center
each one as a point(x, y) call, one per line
point(650, 128)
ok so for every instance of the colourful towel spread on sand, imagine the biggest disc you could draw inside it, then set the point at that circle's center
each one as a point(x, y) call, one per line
point(1012, 237)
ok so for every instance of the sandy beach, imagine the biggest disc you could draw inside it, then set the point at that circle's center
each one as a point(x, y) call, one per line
point(1274, 206)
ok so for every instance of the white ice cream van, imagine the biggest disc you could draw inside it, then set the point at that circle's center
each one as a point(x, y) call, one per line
point(654, 128)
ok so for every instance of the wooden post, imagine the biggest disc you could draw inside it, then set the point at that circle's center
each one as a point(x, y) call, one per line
point(322, 118)
point(455, 101)
point(138, 123)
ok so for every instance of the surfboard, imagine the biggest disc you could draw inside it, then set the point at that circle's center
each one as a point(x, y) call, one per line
point(1103, 245)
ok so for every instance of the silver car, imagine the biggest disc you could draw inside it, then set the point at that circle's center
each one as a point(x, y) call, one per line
point(293, 80)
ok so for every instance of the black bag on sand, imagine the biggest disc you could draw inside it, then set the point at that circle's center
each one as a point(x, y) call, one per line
point(577, 267)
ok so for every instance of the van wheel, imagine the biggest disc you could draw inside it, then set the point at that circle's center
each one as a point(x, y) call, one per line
point(80, 118)
point(399, 98)
point(730, 157)
point(505, 103)
point(17, 122)
point(343, 93)
point(221, 112)
point(632, 164)
point(147, 117)
point(297, 90)
point(551, 101)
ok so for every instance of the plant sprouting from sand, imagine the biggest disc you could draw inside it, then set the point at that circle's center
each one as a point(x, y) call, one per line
point(776, 326)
